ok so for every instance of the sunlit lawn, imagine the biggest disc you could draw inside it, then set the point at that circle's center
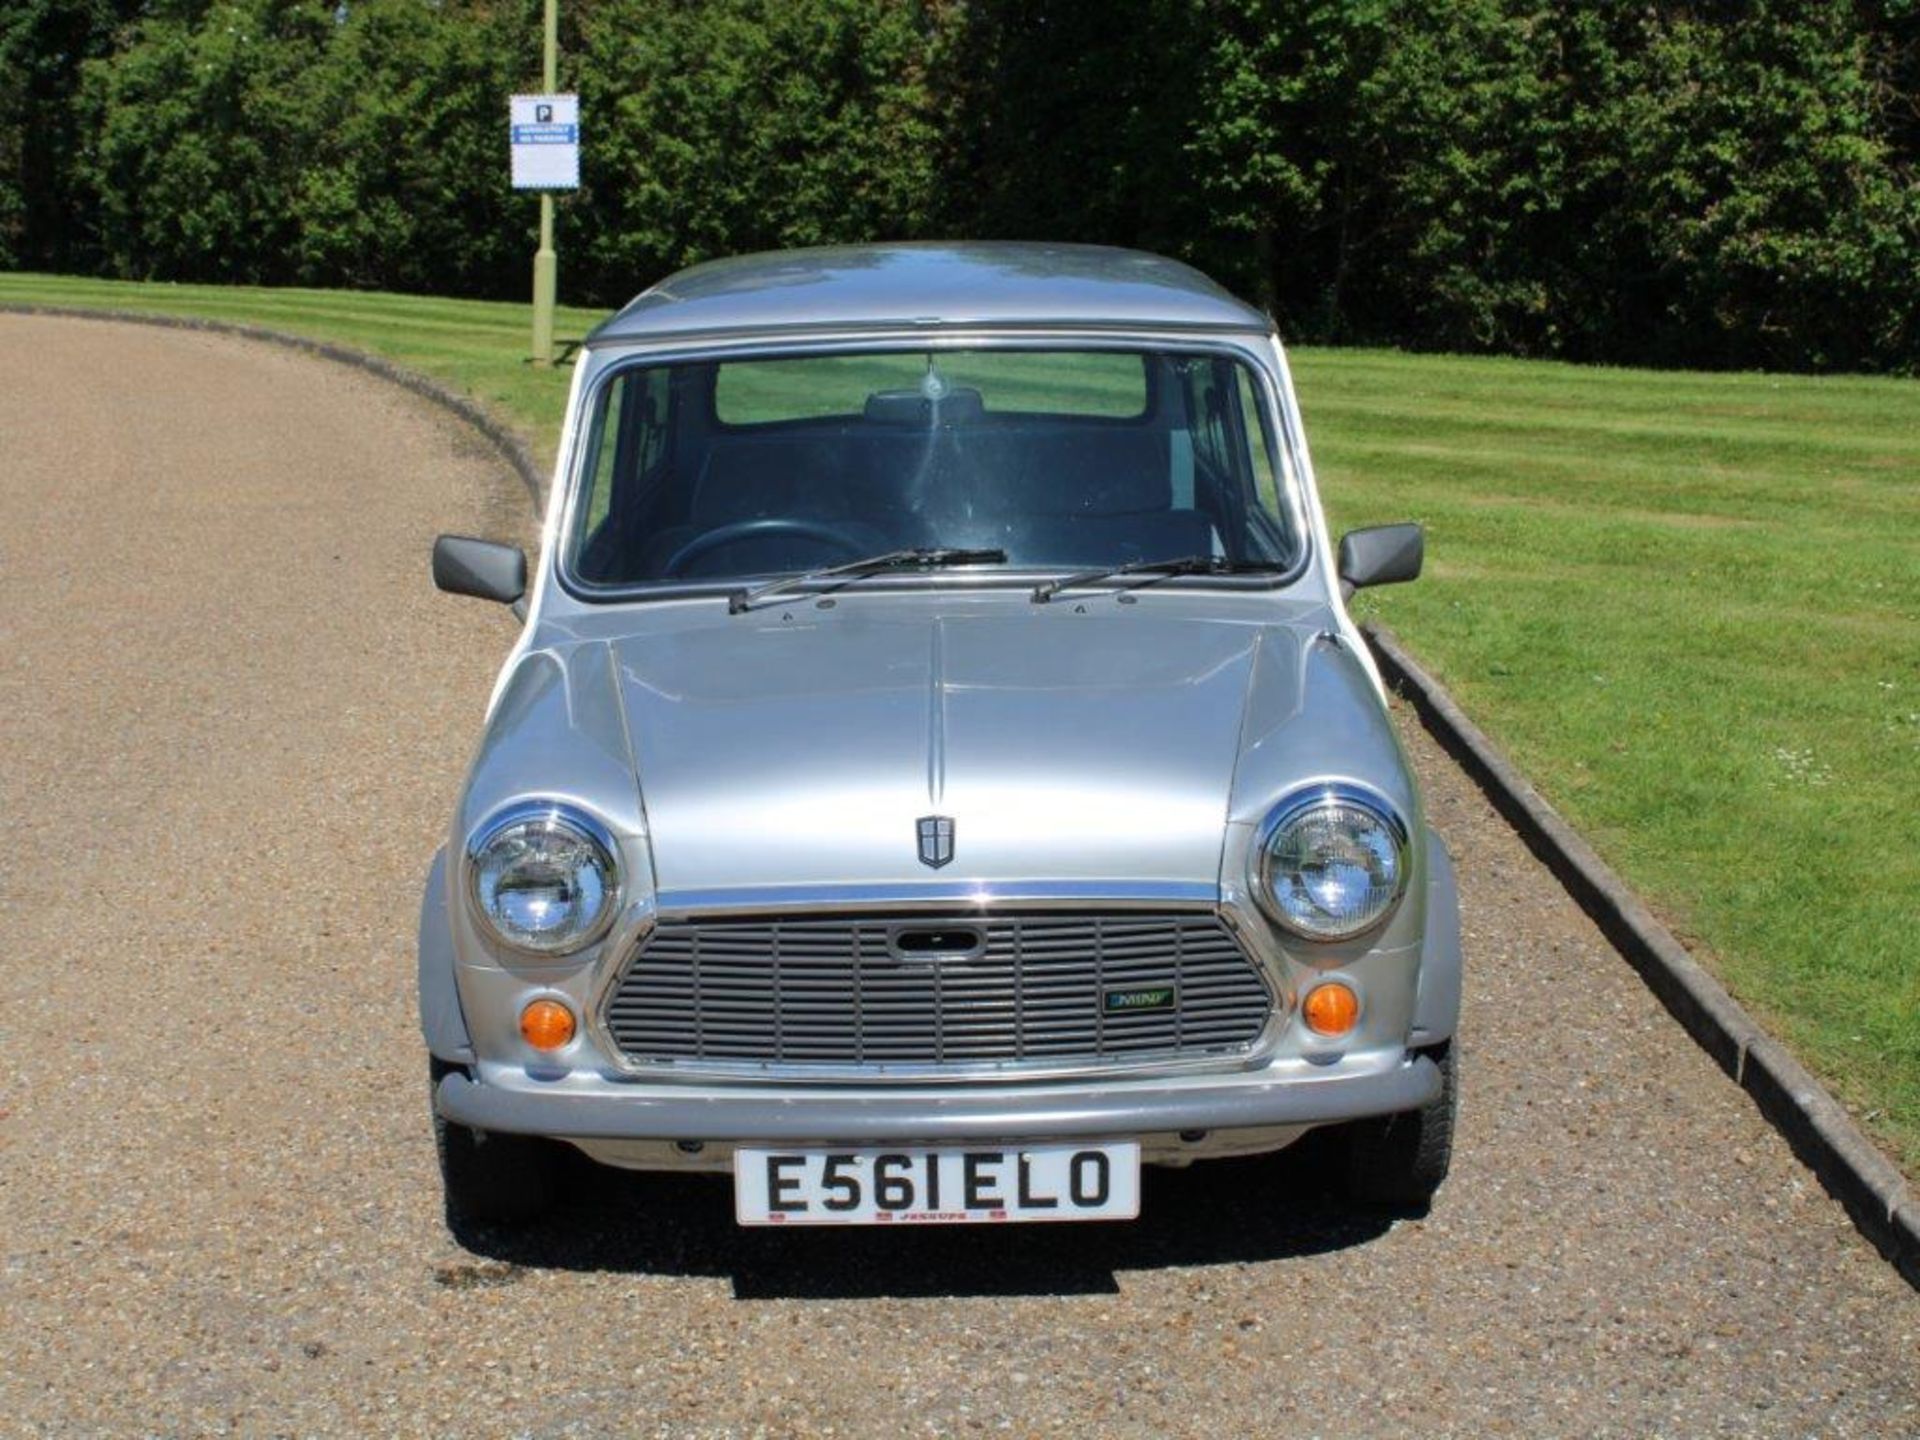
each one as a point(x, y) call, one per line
point(1688, 605)
point(478, 346)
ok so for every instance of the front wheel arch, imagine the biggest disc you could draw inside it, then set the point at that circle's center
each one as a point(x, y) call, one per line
point(1436, 1005)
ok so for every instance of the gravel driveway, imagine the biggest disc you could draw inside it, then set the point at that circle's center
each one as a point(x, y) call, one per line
point(233, 714)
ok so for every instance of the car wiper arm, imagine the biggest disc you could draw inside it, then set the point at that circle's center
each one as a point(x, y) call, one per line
point(1178, 565)
point(936, 558)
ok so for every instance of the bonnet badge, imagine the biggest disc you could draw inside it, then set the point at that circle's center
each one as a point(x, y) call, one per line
point(936, 840)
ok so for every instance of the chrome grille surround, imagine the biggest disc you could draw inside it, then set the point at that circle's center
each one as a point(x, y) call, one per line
point(830, 996)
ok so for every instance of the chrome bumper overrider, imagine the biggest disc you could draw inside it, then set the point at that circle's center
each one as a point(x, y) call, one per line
point(1303, 1095)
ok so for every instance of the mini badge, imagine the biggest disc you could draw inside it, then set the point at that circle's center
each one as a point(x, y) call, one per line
point(936, 840)
point(1128, 1002)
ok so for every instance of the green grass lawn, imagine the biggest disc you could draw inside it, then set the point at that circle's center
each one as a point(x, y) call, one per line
point(1688, 605)
point(477, 346)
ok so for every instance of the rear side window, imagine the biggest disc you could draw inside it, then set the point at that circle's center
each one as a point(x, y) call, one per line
point(1090, 384)
point(629, 439)
point(1259, 445)
point(1231, 438)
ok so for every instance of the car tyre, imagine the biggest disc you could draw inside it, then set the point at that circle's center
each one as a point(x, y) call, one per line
point(489, 1178)
point(1398, 1161)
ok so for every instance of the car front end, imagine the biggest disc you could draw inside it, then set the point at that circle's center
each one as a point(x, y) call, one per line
point(946, 884)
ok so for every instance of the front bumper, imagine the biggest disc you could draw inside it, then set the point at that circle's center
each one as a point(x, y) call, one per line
point(1302, 1095)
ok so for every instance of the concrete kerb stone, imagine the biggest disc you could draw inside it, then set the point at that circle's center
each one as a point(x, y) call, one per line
point(1874, 1193)
point(503, 437)
point(1906, 1227)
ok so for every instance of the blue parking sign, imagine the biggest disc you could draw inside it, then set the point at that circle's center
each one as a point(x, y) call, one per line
point(543, 139)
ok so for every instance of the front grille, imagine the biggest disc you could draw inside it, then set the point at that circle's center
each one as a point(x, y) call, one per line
point(861, 993)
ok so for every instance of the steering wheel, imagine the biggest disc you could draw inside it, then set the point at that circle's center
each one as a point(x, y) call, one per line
point(753, 530)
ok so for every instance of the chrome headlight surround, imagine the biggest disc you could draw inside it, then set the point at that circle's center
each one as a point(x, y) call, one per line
point(1376, 842)
point(543, 853)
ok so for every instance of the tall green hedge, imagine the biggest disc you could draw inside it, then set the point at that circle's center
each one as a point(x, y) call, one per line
point(738, 125)
point(1718, 182)
point(281, 141)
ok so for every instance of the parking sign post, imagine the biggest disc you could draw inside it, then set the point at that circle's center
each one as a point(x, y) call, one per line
point(546, 265)
point(544, 134)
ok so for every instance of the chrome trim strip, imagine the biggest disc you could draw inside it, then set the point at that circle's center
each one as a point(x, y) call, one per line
point(1293, 1098)
point(975, 895)
point(972, 1073)
point(965, 326)
point(1251, 582)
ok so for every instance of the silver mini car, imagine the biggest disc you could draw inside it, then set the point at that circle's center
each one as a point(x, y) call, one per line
point(938, 774)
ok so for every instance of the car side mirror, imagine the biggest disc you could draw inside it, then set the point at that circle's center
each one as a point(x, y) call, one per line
point(463, 565)
point(1380, 555)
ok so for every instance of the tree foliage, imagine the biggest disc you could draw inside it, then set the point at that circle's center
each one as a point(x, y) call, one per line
point(287, 141)
point(43, 46)
point(740, 125)
point(1710, 182)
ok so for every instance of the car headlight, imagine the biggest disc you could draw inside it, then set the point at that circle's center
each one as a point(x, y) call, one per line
point(1331, 862)
point(544, 878)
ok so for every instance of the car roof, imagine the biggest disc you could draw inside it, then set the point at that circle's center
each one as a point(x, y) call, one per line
point(985, 284)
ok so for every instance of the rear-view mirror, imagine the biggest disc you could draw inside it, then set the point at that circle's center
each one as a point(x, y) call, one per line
point(1381, 555)
point(463, 565)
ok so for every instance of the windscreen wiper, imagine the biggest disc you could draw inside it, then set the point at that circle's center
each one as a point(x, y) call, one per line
point(741, 601)
point(1179, 565)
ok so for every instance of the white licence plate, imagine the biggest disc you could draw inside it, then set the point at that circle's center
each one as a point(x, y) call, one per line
point(905, 1185)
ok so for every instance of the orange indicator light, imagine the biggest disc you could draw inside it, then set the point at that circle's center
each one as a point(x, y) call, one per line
point(1331, 1009)
point(546, 1025)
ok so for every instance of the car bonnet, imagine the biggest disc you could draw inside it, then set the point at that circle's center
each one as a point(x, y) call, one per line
point(803, 749)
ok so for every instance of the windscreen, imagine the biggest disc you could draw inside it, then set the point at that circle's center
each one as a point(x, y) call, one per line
point(734, 470)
